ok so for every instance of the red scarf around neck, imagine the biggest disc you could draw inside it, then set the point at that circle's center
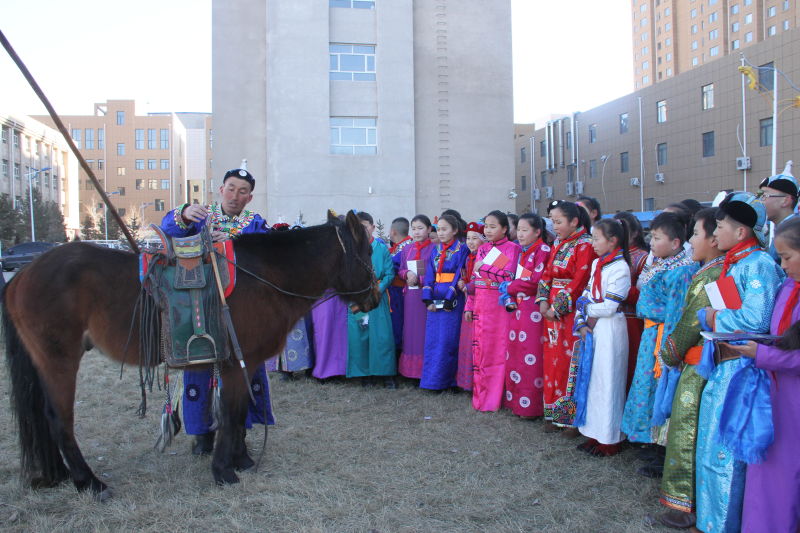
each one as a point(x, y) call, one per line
point(731, 255)
point(443, 255)
point(791, 303)
point(470, 264)
point(418, 247)
point(597, 284)
point(394, 247)
point(527, 253)
point(575, 235)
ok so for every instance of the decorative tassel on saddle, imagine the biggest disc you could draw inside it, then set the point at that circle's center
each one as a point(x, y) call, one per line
point(170, 421)
point(216, 401)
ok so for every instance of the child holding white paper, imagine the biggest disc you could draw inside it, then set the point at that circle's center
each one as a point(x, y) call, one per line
point(496, 262)
point(411, 270)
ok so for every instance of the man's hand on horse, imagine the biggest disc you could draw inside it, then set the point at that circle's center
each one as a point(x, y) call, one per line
point(194, 213)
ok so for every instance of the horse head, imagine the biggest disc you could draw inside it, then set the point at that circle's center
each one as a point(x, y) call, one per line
point(356, 278)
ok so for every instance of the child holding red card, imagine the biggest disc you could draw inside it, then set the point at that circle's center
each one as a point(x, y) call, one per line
point(524, 367)
point(741, 221)
point(496, 262)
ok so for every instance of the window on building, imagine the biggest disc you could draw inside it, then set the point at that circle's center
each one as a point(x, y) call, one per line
point(101, 139)
point(352, 62)
point(694, 45)
point(121, 191)
point(89, 185)
point(735, 9)
point(748, 19)
point(89, 140)
point(139, 139)
point(694, 29)
point(786, 4)
point(624, 162)
point(645, 36)
point(649, 204)
point(765, 131)
point(139, 184)
point(165, 164)
point(354, 136)
point(568, 141)
point(661, 111)
point(151, 164)
point(356, 4)
point(735, 27)
point(785, 25)
point(669, 72)
point(101, 164)
point(766, 73)
point(120, 171)
point(90, 163)
point(772, 30)
point(522, 155)
point(151, 138)
point(17, 171)
point(714, 51)
point(708, 144)
point(196, 188)
point(747, 2)
point(542, 149)
point(667, 26)
point(661, 154)
point(164, 184)
point(623, 123)
point(708, 96)
point(120, 148)
point(152, 184)
point(139, 164)
point(712, 18)
point(668, 41)
point(772, 11)
point(4, 135)
point(5, 168)
point(523, 183)
point(668, 57)
point(645, 80)
point(592, 133)
point(735, 45)
point(645, 65)
point(121, 210)
point(76, 137)
point(15, 137)
point(120, 118)
point(748, 37)
point(164, 138)
point(158, 204)
point(643, 22)
point(593, 168)
point(645, 51)
point(693, 13)
point(713, 34)
point(543, 178)
point(667, 12)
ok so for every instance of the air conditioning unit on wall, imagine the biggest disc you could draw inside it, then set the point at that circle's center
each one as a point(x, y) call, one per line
point(660, 177)
point(537, 194)
point(570, 189)
point(743, 163)
point(578, 187)
point(548, 192)
point(635, 182)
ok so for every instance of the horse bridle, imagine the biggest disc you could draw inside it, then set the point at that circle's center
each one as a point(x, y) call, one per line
point(328, 295)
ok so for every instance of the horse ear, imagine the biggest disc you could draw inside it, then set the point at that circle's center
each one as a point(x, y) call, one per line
point(354, 225)
point(332, 217)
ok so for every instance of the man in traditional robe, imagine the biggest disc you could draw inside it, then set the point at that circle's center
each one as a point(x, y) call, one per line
point(228, 219)
point(779, 195)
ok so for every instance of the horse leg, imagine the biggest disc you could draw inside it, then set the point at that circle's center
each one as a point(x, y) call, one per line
point(241, 458)
point(231, 432)
point(60, 413)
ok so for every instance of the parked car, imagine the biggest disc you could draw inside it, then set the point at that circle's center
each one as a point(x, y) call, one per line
point(22, 254)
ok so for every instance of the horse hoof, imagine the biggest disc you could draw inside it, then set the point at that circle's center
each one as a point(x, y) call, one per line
point(226, 477)
point(243, 463)
point(104, 495)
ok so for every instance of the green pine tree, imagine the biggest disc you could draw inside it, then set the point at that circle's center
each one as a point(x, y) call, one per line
point(88, 228)
point(10, 221)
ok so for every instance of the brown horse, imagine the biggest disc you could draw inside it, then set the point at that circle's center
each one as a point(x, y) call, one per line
point(79, 295)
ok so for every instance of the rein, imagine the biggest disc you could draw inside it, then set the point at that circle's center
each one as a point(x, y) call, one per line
point(305, 296)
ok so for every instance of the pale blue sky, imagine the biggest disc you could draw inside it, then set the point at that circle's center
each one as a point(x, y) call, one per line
point(569, 55)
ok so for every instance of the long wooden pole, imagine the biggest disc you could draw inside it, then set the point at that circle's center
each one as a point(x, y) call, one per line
point(60, 126)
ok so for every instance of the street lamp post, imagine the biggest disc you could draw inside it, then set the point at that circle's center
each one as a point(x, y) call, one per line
point(105, 212)
point(33, 172)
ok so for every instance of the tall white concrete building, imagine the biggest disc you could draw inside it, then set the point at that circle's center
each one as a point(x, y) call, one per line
point(395, 107)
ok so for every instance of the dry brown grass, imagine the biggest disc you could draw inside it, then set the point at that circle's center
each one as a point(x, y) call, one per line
point(340, 459)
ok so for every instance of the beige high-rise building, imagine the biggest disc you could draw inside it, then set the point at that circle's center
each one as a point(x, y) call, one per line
point(148, 164)
point(675, 36)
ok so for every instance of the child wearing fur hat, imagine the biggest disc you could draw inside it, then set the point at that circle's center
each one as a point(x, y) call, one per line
point(741, 221)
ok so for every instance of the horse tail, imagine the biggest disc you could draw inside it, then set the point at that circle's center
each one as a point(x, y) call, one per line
point(41, 459)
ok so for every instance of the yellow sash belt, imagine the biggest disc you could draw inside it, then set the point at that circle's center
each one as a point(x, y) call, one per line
point(649, 324)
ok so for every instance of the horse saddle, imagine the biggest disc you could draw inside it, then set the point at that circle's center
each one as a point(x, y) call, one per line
point(180, 277)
